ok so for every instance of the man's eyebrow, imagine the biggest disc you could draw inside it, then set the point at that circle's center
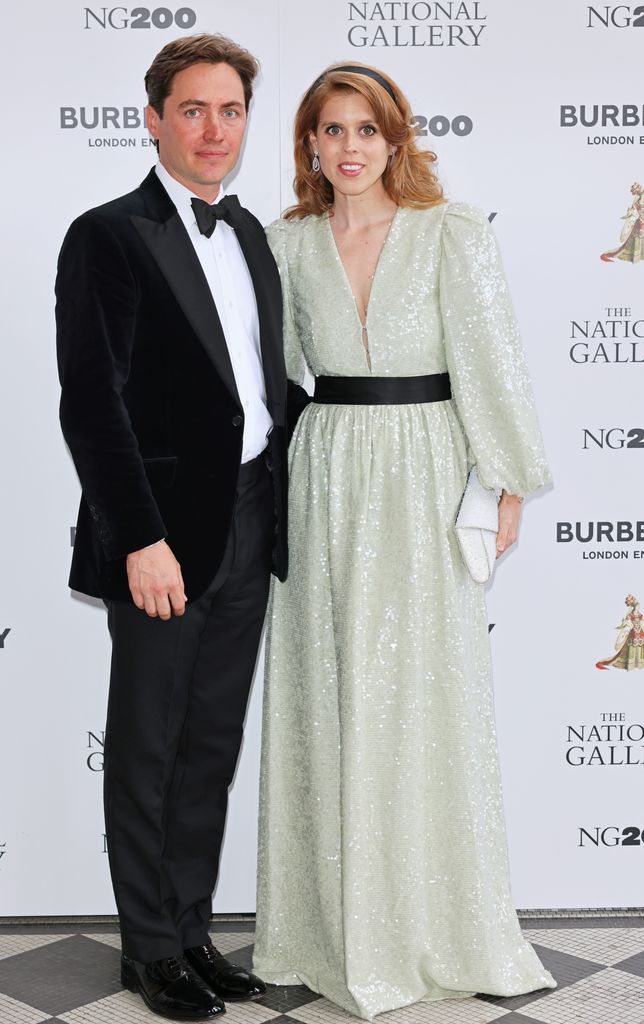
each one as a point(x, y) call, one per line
point(186, 104)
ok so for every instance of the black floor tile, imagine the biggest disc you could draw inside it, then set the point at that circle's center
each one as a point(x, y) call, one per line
point(517, 1018)
point(632, 965)
point(62, 975)
point(242, 956)
point(565, 969)
point(516, 1002)
point(283, 999)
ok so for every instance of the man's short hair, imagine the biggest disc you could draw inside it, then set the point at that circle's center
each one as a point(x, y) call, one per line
point(200, 49)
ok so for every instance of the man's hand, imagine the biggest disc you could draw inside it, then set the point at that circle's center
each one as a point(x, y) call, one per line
point(509, 517)
point(155, 580)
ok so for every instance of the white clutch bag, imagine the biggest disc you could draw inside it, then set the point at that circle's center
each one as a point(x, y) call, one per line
point(477, 524)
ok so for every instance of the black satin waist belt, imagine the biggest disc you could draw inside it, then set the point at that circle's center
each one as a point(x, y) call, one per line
point(433, 387)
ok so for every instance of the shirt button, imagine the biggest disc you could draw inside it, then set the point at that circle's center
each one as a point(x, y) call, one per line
point(237, 420)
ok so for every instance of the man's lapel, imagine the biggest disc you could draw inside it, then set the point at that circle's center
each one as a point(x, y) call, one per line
point(167, 240)
point(266, 284)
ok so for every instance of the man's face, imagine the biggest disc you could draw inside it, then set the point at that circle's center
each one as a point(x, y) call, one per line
point(202, 128)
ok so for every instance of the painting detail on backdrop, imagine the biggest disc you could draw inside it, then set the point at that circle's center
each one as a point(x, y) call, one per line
point(632, 234)
point(630, 639)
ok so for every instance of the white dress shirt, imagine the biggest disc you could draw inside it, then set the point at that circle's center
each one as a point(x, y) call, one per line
point(232, 289)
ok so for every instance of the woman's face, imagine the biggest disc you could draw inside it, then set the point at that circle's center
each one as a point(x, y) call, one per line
point(353, 151)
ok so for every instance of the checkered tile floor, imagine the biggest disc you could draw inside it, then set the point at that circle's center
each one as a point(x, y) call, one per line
point(63, 975)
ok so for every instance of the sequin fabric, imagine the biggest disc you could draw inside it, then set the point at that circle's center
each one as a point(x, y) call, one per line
point(383, 874)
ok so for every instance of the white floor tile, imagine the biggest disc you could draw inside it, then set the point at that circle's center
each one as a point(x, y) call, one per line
point(609, 997)
point(602, 945)
point(444, 1011)
point(10, 945)
point(13, 1012)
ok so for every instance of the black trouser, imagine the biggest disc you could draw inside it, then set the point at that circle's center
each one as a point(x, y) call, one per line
point(178, 696)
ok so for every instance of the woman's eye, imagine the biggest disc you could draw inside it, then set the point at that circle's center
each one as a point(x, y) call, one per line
point(369, 129)
point(334, 129)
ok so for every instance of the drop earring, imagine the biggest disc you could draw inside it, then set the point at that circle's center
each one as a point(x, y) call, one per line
point(315, 164)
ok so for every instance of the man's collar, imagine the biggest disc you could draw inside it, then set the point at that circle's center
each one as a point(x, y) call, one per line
point(179, 194)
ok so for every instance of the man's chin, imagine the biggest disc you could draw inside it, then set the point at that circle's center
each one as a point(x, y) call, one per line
point(213, 173)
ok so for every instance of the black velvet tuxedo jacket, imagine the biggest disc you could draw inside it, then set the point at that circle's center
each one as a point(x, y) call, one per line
point(149, 406)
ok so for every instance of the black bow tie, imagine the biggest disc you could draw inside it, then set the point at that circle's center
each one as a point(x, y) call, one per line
point(207, 216)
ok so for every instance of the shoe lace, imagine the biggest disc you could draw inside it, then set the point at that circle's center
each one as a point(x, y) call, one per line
point(211, 953)
point(176, 967)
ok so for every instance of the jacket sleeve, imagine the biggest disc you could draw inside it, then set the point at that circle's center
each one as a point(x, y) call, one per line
point(96, 302)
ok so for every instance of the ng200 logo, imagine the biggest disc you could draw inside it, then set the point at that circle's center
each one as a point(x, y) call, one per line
point(614, 438)
point(611, 835)
point(139, 17)
point(615, 16)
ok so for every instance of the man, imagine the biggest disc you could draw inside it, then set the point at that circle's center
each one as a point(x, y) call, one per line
point(173, 401)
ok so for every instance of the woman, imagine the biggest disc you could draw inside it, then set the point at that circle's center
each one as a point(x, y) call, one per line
point(382, 863)
point(632, 233)
point(630, 639)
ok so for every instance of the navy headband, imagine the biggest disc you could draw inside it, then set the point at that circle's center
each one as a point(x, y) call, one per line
point(354, 69)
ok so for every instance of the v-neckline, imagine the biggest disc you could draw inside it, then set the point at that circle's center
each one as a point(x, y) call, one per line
point(363, 326)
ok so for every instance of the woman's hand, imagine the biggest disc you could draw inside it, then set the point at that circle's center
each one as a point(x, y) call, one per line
point(509, 519)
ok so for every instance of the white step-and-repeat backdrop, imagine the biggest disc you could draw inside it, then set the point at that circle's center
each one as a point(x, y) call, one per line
point(537, 114)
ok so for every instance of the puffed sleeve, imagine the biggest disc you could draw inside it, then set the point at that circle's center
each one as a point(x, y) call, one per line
point(293, 355)
point(487, 366)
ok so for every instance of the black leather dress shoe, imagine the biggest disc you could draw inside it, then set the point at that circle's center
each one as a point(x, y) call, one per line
point(171, 988)
point(229, 981)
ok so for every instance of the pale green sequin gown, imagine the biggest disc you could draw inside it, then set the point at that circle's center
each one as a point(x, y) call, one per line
point(383, 874)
